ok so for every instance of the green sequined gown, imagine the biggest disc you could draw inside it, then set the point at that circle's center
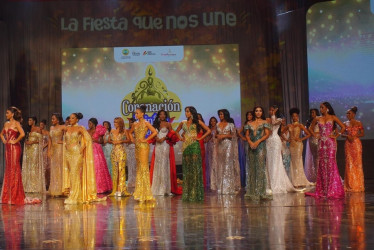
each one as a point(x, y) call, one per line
point(257, 182)
point(193, 189)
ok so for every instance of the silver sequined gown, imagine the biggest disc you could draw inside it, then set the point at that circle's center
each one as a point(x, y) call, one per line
point(161, 172)
point(228, 171)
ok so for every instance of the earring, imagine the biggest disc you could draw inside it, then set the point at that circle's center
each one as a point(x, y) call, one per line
point(328, 110)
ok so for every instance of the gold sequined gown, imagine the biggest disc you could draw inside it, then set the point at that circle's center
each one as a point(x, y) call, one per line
point(297, 173)
point(142, 183)
point(80, 166)
point(118, 158)
point(55, 188)
point(33, 173)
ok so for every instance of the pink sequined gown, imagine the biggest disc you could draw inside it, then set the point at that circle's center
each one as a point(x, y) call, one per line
point(329, 184)
point(103, 179)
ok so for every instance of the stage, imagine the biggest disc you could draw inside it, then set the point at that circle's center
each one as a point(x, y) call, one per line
point(289, 221)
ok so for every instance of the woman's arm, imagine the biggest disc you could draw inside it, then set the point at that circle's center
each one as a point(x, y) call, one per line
point(307, 133)
point(21, 134)
point(177, 131)
point(153, 134)
point(207, 131)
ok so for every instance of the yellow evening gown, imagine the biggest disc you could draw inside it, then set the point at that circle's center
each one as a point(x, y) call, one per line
point(118, 157)
point(81, 167)
point(55, 188)
point(142, 183)
point(33, 177)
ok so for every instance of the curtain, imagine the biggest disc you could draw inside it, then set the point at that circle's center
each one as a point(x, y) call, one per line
point(4, 86)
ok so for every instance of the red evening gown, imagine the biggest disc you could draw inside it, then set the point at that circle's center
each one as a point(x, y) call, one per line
point(12, 191)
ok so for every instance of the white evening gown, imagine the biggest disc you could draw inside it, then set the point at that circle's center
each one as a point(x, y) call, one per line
point(278, 178)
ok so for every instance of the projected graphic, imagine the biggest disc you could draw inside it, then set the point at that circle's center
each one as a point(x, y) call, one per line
point(110, 82)
point(340, 38)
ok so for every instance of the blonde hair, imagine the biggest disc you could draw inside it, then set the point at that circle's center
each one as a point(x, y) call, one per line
point(121, 124)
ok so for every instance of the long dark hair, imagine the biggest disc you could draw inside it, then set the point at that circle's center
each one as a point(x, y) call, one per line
point(59, 118)
point(310, 120)
point(278, 114)
point(263, 113)
point(195, 118)
point(17, 114)
point(94, 121)
point(226, 115)
point(210, 120)
point(330, 111)
point(157, 122)
point(109, 125)
point(246, 117)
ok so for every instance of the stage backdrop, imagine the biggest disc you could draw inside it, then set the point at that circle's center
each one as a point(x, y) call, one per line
point(39, 31)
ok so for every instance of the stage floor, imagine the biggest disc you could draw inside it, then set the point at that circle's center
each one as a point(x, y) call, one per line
point(289, 221)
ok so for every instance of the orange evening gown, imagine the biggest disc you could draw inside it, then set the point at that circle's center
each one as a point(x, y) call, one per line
point(354, 175)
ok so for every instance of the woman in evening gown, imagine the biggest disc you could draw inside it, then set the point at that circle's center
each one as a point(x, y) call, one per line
point(142, 190)
point(107, 146)
point(228, 170)
point(298, 177)
point(210, 157)
point(241, 133)
point(55, 154)
point(130, 159)
point(33, 175)
point(193, 188)
point(311, 155)
point(286, 154)
point(103, 179)
point(163, 169)
point(79, 162)
point(354, 175)
point(328, 184)
point(47, 168)
point(118, 138)
point(11, 134)
point(202, 149)
point(279, 180)
point(258, 131)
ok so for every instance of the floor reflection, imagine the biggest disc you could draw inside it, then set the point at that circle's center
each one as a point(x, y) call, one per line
point(222, 221)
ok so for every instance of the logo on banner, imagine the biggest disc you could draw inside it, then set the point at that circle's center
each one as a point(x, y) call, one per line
point(153, 93)
point(125, 52)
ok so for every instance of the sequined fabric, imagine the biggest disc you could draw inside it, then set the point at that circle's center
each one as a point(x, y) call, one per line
point(354, 175)
point(246, 148)
point(46, 161)
point(118, 158)
point(56, 160)
point(107, 149)
point(311, 157)
point(161, 172)
point(279, 180)
point(211, 161)
point(193, 188)
point(228, 171)
point(12, 190)
point(298, 177)
point(142, 183)
point(257, 181)
point(131, 164)
point(286, 154)
point(103, 179)
point(33, 175)
point(329, 184)
point(80, 166)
